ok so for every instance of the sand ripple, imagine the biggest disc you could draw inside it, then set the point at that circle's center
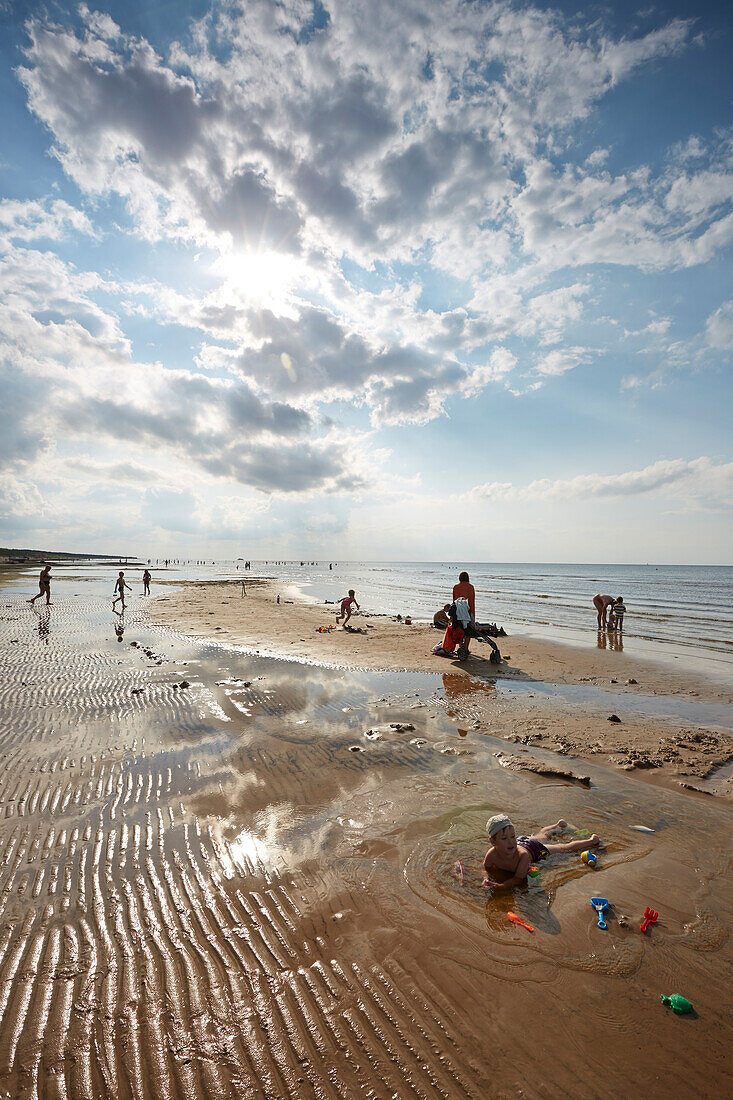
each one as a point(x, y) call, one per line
point(143, 950)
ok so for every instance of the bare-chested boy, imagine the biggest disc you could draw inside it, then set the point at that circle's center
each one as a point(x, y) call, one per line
point(517, 854)
point(44, 585)
point(120, 586)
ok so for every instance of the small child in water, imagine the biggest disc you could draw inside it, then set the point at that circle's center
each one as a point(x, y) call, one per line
point(516, 854)
point(617, 610)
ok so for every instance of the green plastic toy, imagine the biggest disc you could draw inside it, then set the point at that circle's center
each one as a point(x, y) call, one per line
point(533, 872)
point(678, 1003)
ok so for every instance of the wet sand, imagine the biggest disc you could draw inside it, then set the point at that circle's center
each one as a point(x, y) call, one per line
point(224, 875)
point(674, 725)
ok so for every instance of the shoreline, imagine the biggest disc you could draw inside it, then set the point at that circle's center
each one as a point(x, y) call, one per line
point(513, 701)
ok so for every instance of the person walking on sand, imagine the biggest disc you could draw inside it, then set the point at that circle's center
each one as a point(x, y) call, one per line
point(346, 602)
point(602, 604)
point(146, 582)
point(44, 585)
point(120, 586)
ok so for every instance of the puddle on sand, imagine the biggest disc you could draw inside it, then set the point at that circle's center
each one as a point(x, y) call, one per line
point(291, 901)
point(590, 698)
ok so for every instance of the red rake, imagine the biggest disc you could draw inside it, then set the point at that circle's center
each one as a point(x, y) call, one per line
point(650, 917)
point(518, 920)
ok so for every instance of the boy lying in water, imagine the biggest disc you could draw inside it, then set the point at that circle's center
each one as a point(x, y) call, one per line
point(516, 855)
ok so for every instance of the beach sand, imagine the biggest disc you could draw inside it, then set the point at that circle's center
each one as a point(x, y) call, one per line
point(229, 875)
point(678, 749)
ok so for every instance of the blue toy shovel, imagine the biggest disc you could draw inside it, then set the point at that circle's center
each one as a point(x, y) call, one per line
point(599, 904)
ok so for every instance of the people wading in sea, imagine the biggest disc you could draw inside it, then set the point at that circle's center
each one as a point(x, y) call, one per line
point(602, 604)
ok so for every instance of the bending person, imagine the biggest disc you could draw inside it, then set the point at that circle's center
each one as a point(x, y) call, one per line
point(602, 604)
point(440, 618)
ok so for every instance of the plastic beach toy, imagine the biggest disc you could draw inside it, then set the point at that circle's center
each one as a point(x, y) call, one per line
point(599, 904)
point(589, 858)
point(678, 1003)
point(533, 872)
point(650, 917)
point(518, 920)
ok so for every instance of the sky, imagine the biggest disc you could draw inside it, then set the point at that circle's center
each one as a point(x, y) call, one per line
point(407, 281)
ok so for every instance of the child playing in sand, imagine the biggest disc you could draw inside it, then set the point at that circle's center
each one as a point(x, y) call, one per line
point(516, 854)
point(346, 602)
point(120, 586)
point(440, 618)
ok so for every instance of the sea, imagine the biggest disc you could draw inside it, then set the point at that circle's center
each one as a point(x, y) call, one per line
point(674, 612)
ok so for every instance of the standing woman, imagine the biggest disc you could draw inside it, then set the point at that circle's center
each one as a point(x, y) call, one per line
point(44, 585)
point(146, 582)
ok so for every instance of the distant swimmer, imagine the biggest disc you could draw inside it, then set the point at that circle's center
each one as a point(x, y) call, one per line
point(120, 586)
point(146, 582)
point(44, 585)
point(602, 604)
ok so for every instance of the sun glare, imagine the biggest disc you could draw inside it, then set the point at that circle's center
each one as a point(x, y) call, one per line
point(264, 279)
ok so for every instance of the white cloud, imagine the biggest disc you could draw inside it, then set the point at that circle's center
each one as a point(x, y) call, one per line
point(29, 220)
point(695, 479)
point(560, 361)
point(719, 327)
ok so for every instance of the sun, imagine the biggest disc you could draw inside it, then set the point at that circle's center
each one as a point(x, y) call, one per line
point(264, 279)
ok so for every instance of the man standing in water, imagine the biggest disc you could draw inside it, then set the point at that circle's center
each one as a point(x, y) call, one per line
point(44, 585)
point(146, 582)
point(602, 604)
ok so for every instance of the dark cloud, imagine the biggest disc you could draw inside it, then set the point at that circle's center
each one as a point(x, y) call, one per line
point(246, 206)
point(346, 120)
point(256, 443)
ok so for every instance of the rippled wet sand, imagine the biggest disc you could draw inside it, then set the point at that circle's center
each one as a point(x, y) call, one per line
point(246, 887)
